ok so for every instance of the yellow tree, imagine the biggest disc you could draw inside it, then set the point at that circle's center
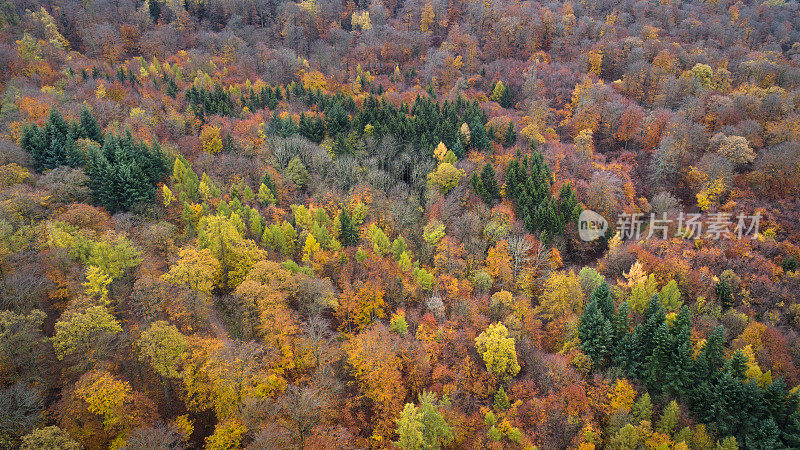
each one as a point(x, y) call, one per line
point(85, 333)
point(235, 254)
point(210, 138)
point(221, 375)
point(101, 409)
point(96, 283)
point(163, 347)
point(498, 351)
point(737, 150)
point(445, 177)
point(227, 436)
point(268, 287)
point(105, 396)
point(595, 61)
point(361, 20)
point(197, 269)
point(427, 18)
point(622, 397)
point(311, 250)
point(562, 295)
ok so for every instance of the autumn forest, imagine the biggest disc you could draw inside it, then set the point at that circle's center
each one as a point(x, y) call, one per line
point(412, 224)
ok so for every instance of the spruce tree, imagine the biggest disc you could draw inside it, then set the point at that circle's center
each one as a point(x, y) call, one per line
point(489, 179)
point(155, 10)
point(595, 332)
point(478, 139)
point(723, 291)
point(636, 347)
point(348, 235)
point(621, 324)
point(33, 141)
point(123, 173)
point(602, 295)
point(510, 137)
point(712, 354)
point(528, 183)
point(480, 190)
point(89, 127)
point(675, 377)
point(568, 207)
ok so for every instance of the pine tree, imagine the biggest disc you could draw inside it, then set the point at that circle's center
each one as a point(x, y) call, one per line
point(33, 141)
point(155, 10)
point(480, 190)
point(784, 407)
point(348, 235)
point(528, 183)
point(724, 295)
point(510, 137)
point(621, 325)
point(712, 354)
point(55, 136)
point(124, 172)
point(657, 360)
point(676, 379)
point(595, 332)
point(489, 179)
point(54, 144)
point(478, 139)
point(638, 346)
point(89, 127)
point(602, 295)
point(568, 206)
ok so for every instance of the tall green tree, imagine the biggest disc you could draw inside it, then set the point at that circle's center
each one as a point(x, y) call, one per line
point(598, 326)
point(125, 171)
point(90, 129)
point(485, 184)
point(348, 235)
point(528, 183)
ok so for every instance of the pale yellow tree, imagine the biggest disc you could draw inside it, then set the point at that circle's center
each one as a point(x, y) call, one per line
point(498, 351)
point(196, 269)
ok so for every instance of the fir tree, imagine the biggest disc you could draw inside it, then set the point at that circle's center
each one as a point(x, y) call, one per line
point(89, 127)
point(155, 10)
point(724, 295)
point(510, 136)
point(348, 235)
point(478, 139)
point(124, 172)
point(480, 190)
point(489, 179)
point(621, 325)
point(670, 364)
point(636, 349)
point(596, 331)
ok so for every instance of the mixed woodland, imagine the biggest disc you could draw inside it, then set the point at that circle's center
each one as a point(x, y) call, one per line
point(268, 224)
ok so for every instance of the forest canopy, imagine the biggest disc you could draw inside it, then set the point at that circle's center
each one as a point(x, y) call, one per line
point(379, 224)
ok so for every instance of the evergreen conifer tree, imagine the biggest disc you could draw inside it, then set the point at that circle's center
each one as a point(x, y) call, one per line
point(348, 235)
